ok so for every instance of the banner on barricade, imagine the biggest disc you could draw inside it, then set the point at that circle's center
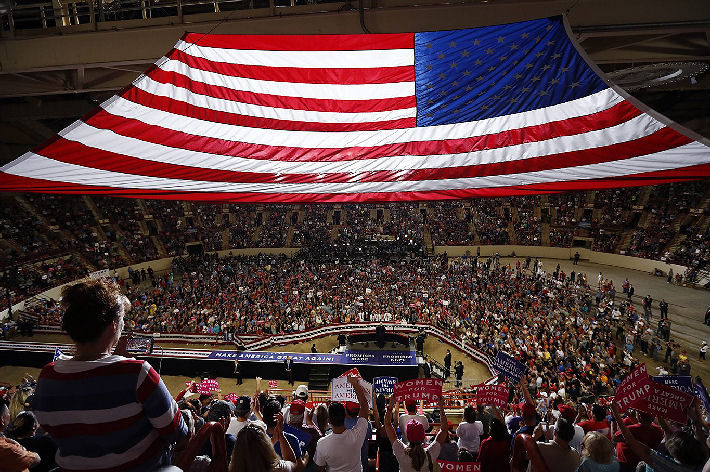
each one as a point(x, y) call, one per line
point(509, 366)
point(449, 466)
point(684, 383)
point(384, 385)
point(634, 388)
point(419, 389)
point(342, 391)
point(495, 395)
point(666, 402)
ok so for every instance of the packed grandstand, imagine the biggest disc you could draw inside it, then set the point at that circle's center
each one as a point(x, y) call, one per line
point(579, 335)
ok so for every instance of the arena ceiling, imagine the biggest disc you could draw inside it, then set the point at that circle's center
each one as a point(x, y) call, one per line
point(659, 50)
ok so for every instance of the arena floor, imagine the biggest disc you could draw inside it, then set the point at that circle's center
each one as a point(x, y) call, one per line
point(686, 312)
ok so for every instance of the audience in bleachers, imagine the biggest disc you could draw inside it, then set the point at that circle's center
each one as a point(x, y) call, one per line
point(664, 222)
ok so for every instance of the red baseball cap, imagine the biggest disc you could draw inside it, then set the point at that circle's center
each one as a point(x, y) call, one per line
point(415, 431)
point(410, 402)
point(567, 412)
point(297, 407)
point(352, 408)
point(527, 409)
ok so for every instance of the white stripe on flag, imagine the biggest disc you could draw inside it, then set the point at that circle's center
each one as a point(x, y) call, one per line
point(291, 89)
point(35, 166)
point(303, 59)
point(312, 139)
point(230, 106)
point(106, 140)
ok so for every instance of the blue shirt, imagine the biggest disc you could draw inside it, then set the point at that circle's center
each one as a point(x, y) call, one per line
point(292, 440)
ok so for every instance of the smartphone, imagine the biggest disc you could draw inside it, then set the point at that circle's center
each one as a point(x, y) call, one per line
point(139, 344)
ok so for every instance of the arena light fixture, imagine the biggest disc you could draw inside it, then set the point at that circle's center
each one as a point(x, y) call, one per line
point(655, 75)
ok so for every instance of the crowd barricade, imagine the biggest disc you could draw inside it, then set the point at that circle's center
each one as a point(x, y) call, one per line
point(256, 342)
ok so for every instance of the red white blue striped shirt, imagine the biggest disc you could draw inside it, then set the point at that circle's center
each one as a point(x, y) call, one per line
point(107, 415)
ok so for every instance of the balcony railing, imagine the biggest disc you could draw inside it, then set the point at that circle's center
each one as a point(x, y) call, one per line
point(27, 15)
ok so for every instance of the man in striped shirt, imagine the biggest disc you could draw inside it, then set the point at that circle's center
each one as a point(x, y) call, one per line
point(105, 412)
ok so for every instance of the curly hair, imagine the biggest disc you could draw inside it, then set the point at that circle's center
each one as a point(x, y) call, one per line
point(90, 307)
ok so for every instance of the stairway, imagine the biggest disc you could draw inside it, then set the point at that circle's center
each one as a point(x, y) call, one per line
point(319, 377)
point(645, 195)
point(92, 207)
point(289, 237)
point(159, 246)
point(426, 237)
point(545, 233)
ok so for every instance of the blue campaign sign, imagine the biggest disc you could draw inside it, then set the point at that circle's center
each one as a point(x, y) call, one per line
point(701, 392)
point(304, 438)
point(379, 358)
point(509, 366)
point(681, 382)
point(384, 385)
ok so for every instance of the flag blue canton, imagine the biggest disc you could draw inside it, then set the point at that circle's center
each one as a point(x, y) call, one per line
point(473, 74)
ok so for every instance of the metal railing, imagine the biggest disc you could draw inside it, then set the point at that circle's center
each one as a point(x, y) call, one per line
point(24, 15)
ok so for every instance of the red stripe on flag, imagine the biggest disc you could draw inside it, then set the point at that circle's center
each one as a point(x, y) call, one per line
point(302, 75)
point(206, 114)
point(12, 183)
point(280, 101)
point(76, 153)
point(325, 42)
point(178, 139)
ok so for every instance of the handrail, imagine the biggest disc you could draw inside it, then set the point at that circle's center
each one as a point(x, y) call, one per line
point(215, 432)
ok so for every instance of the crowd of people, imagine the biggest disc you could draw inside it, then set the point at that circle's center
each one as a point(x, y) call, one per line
point(577, 336)
point(103, 232)
point(129, 421)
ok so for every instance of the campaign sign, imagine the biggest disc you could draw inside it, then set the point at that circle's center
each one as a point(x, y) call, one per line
point(666, 402)
point(509, 366)
point(496, 395)
point(418, 389)
point(684, 383)
point(634, 388)
point(342, 391)
point(701, 392)
point(232, 397)
point(351, 373)
point(304, 437)
point(384, 385)
point(57, 354)
point(448, 466)
point(273, 384)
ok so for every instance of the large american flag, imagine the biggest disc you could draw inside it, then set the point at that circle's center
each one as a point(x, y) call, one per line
point(500, 110)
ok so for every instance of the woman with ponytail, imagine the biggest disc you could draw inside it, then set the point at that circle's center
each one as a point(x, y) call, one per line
point(417, 457)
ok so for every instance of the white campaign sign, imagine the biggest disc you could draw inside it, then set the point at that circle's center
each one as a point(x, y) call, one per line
point(342, 391)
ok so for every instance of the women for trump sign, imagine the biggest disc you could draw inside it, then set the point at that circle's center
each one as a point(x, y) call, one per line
point(418, 389)
point(495, 395)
